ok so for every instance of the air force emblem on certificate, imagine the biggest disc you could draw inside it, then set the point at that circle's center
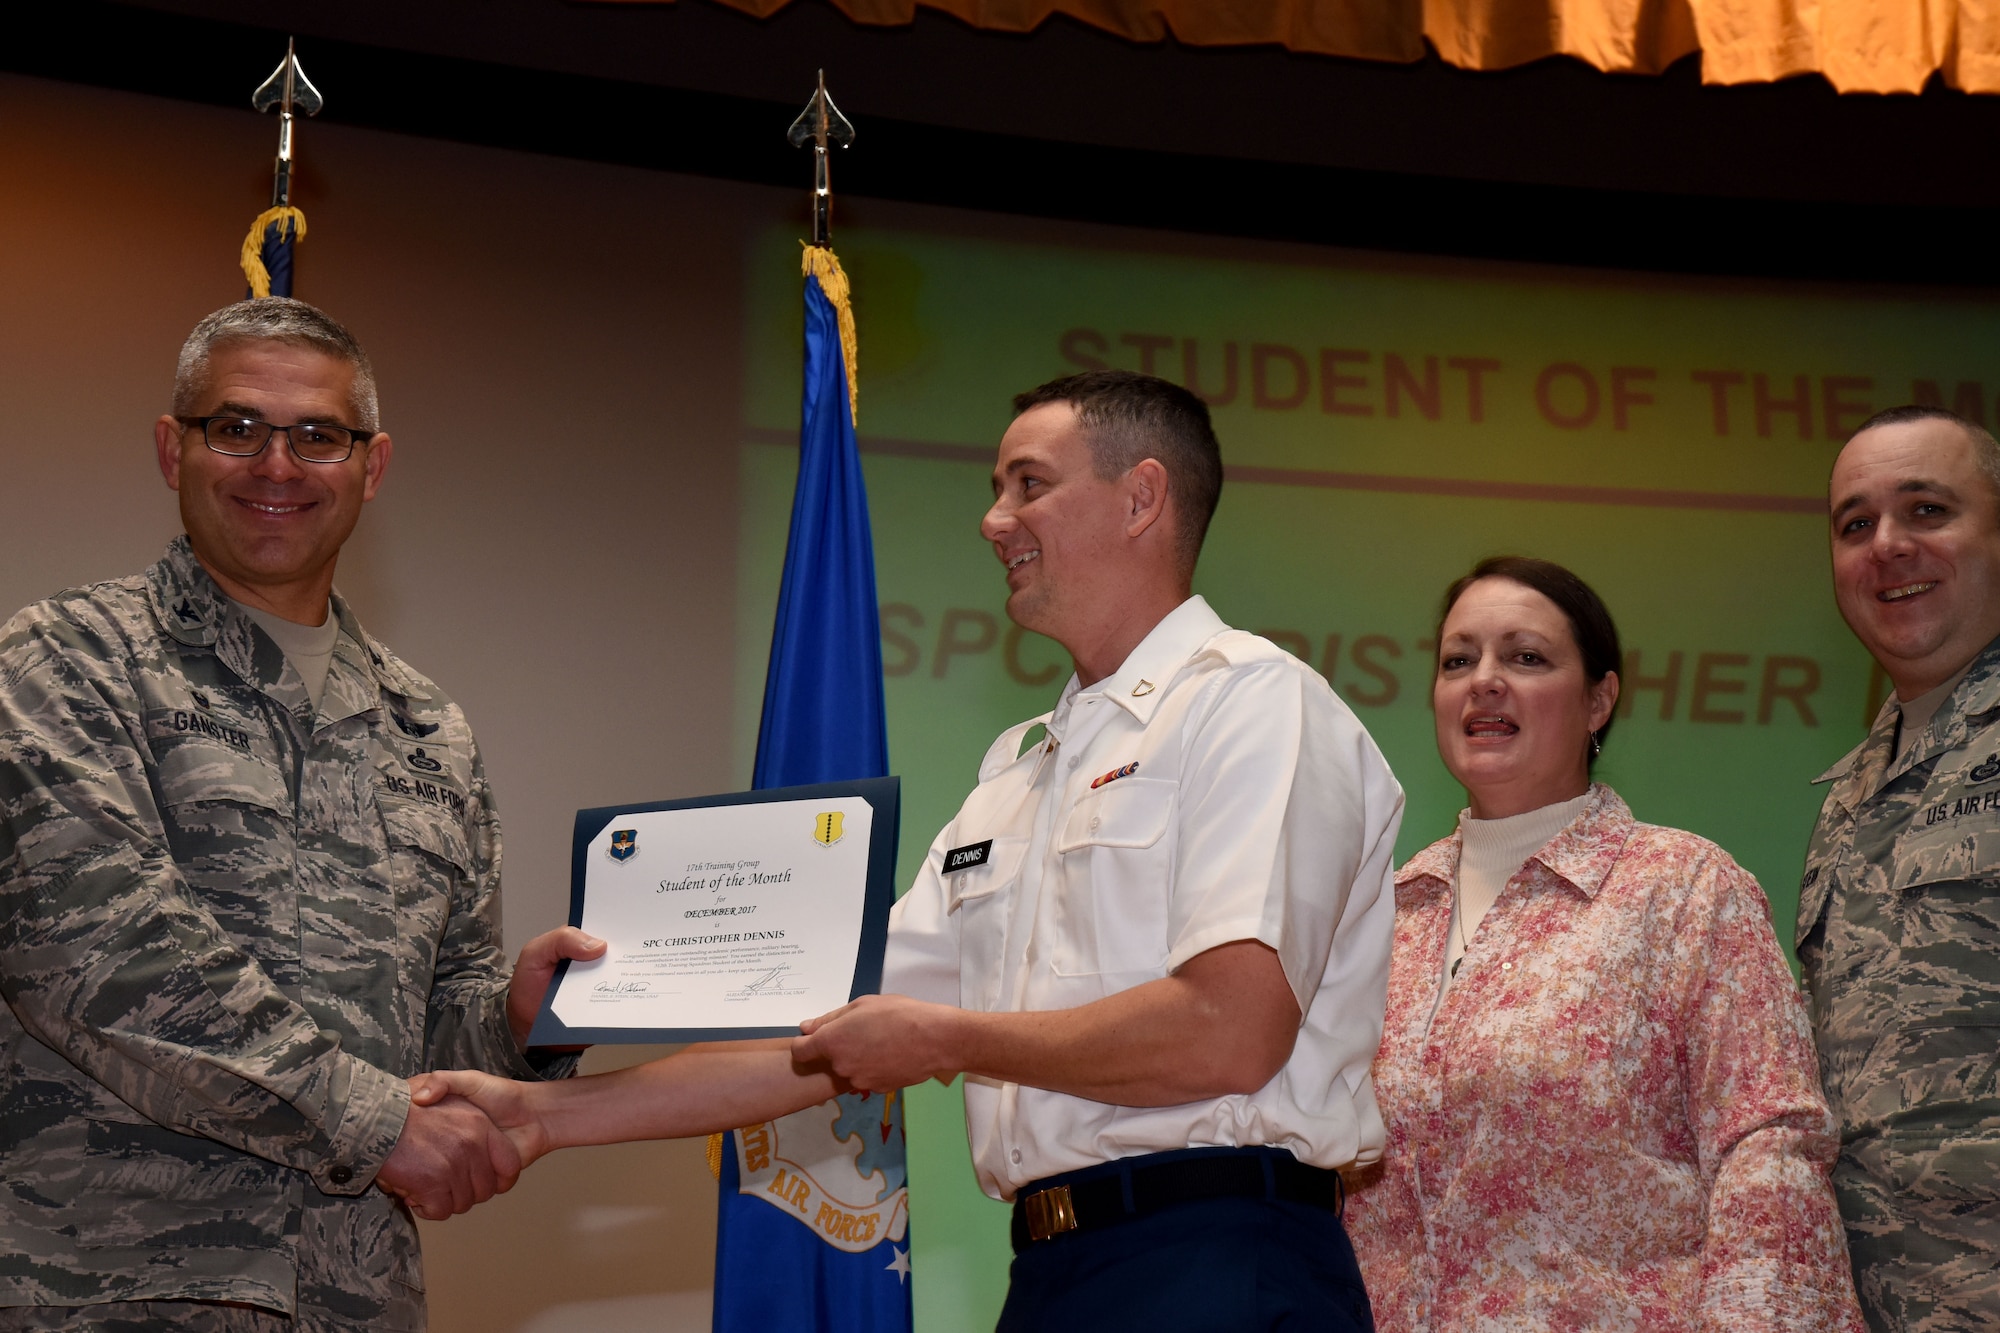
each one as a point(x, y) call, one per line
point(624, 844)
point(828, 827)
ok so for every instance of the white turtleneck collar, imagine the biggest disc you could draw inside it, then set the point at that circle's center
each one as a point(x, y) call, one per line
point(1491, 852)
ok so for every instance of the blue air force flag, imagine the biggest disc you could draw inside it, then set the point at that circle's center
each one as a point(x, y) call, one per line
point(812, 1229)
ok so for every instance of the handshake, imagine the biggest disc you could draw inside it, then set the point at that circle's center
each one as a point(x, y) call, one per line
point(452, 1154)
point(469, 1135)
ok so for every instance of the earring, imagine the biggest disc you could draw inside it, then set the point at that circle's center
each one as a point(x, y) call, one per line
point(1596, 746)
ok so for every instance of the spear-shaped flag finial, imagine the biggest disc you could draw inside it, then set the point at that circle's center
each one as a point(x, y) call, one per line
point(287, 91)
point(821, 124)
point(267, 250)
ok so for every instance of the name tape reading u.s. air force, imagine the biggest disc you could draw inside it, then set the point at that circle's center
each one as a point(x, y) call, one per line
point(722, 919)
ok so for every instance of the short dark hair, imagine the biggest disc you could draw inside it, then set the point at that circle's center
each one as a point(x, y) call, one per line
point(1985, 449)
point(1127, 418)
point(1590, 623)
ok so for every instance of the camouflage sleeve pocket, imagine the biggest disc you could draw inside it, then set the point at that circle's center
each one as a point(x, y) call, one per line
point(1951, 935)
point(1954, 1158)
point(430, 865)
point(196, 769)
point(228, 819)
point(411, 824)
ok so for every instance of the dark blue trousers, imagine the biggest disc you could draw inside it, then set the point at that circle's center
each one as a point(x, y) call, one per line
point(1211, 1266)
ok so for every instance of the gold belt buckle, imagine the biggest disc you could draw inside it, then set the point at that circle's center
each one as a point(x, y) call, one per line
point(1050, 1213)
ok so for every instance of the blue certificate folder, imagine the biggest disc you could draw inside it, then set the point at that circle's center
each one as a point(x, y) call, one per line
point(884, 795)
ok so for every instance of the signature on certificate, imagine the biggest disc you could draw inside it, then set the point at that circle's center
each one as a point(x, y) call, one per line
point(771, 981)
point(621, 987)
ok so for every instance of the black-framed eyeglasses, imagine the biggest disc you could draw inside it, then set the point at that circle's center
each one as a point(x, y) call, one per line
point(310, 441)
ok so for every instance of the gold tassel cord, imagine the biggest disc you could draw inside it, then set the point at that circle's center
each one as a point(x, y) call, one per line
point(820, 263)
point(715, 1156)
point(253, 246)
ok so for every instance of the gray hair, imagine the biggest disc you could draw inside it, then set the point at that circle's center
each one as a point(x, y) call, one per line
point(275, 319)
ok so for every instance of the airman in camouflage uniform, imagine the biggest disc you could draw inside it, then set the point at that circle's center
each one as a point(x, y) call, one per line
point(1899, 908)
point(232, 926)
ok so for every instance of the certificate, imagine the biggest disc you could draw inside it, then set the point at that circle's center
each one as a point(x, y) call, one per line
point(727, 916)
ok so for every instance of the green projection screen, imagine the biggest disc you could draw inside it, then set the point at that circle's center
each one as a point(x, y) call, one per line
point(1385, 422)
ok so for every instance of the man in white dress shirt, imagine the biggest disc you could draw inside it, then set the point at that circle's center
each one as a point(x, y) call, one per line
point(1155, 940)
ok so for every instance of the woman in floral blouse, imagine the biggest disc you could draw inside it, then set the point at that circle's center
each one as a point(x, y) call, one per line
point(1603, 1107)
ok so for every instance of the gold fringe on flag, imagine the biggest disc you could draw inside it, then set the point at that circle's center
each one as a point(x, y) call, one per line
point(715, 1156)
point(253, 246)
point(820, 263)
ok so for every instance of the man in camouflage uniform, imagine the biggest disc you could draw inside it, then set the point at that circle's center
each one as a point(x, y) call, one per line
point(1899, 910)
point(247, 891)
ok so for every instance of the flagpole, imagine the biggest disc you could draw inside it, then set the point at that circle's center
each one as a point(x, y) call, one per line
point(843, 1266)
point(821, 125)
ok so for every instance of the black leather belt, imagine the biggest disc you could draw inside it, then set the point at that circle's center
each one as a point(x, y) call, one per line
point(1129, 1189)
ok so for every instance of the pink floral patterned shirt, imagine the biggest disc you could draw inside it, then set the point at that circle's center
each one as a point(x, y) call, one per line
point(1614, 1122)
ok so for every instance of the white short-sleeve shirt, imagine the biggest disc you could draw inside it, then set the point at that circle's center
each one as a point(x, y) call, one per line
point(1213, 789)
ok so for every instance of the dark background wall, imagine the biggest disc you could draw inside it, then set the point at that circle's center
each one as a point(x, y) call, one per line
point(1552, 161)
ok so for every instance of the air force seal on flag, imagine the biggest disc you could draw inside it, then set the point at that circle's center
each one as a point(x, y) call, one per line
point(624, 844)
point(827, 827)
point(836, 1167)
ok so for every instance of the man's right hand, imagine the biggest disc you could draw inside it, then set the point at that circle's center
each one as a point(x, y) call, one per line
point(449, 1158)
point(696, 1090)
point(508, 1104)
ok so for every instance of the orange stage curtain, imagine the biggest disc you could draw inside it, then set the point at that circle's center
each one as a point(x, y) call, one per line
point(1878, 46)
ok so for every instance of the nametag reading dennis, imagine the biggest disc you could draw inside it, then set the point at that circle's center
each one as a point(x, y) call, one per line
point(968, 856)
